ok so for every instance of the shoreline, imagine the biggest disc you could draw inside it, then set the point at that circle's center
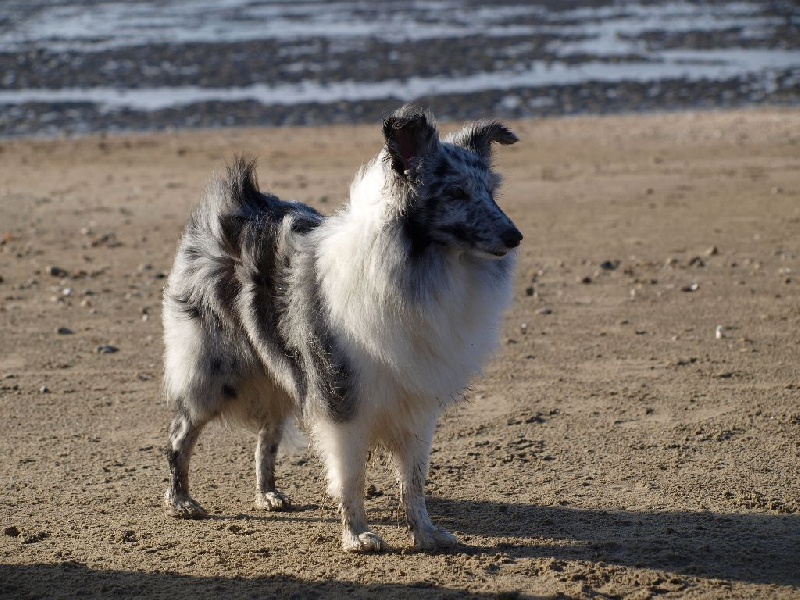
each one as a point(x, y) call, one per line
point(447, 122)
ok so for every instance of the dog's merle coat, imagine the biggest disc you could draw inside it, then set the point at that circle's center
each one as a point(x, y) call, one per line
point(363, 325)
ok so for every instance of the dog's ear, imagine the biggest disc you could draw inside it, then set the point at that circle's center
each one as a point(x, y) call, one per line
point(479, 136)
point(410, 134)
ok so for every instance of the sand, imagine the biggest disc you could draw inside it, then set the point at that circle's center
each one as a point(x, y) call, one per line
point(617, 446)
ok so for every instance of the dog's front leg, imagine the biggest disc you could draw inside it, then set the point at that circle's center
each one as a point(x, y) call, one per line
point(412, 457)
point(344, 449)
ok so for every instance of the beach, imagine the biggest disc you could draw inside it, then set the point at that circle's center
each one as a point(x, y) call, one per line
point(636, 436)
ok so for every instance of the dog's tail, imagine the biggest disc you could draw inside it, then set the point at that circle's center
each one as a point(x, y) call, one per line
point(241, 188)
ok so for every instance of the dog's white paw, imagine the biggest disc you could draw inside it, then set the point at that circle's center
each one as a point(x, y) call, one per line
point(434, 538)
point(272, 501)
point(183, 507)
point(366, 542)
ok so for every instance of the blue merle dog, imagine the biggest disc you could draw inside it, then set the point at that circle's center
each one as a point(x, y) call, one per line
point(362, 326)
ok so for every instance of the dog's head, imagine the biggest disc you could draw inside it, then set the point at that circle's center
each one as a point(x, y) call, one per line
point(447, 186)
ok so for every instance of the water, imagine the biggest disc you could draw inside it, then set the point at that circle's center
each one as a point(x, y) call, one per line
point(94, 65)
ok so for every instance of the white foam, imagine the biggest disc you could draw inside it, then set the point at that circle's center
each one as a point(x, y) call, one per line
point(692, 66)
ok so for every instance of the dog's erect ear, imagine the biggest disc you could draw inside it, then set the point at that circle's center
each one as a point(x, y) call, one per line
point(478, 137)
point(410, 134)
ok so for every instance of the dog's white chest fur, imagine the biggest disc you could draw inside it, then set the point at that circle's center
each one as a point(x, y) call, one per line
point(424, 343)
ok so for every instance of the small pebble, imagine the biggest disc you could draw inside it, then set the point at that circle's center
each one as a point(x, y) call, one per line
point(54, 271)
point(106, 349)
point(64, 331)
point(373, 492)
point(609, 265)
point(712, 251)
point(696, 261)
point(44, 389)
point(67, 292)
point(529, 291)
point(693, 287)
point(720, 333)
point(523, 328)
point(586, 280)
point(544, 311)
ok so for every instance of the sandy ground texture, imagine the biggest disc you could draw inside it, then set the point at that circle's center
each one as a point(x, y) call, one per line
point(616, 447)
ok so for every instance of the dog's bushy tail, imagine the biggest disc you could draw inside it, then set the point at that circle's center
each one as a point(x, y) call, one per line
point(241, 183)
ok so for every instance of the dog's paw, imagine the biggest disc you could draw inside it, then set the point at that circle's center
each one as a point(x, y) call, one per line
point(272, 501)
point(434, 539)
point(365, 543)
point(183, 507)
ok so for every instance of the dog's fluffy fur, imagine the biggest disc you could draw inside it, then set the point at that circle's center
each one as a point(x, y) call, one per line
point(364, 325)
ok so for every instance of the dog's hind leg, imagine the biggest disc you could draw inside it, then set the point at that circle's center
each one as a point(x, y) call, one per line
point(411, 456)
point(345, 450)
point(183, 434)
point(267, 496)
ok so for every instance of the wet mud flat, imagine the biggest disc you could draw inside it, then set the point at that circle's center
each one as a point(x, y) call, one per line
point(338, 62)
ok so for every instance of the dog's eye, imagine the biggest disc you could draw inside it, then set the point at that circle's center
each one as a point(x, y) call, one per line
point(458, 194)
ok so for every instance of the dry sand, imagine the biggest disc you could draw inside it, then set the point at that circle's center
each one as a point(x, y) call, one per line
point(614, 448)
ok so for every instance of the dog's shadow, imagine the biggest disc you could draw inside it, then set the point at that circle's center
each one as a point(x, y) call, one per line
point(755, 548)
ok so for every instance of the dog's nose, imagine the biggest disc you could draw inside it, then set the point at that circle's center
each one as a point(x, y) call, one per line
point(511, 237)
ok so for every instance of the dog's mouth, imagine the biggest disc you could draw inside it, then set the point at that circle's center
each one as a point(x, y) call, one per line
point(509, 239)
point(498, 253)
point(489, 253)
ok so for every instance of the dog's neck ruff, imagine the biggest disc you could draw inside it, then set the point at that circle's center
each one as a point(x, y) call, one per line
point(429, 322)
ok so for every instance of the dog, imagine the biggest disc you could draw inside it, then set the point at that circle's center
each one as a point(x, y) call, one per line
point(364, 326)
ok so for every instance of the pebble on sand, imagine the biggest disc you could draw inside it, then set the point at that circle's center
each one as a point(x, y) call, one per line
point(609, 265)
point(54, 271)
point(106, 349)
point(64, 331)
point(11, 531)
